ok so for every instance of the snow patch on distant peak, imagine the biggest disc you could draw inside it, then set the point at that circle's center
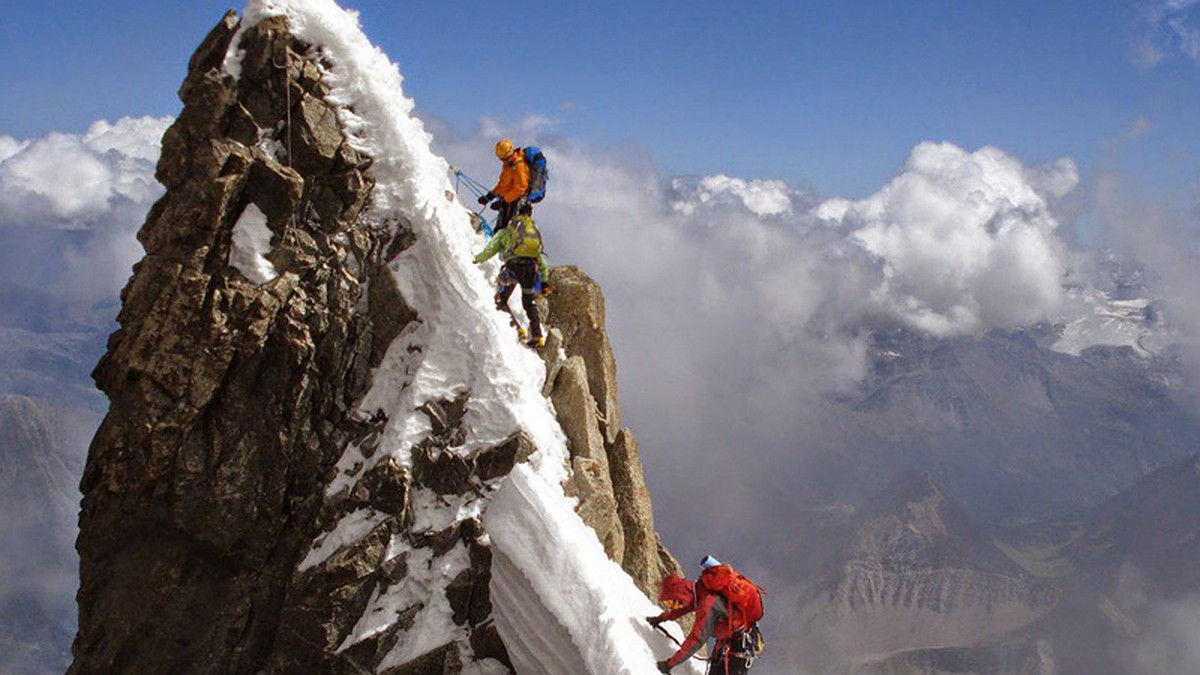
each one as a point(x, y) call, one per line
point(1134, 323)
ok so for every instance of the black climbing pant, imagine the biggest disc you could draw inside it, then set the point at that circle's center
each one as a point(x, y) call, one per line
point(521, 272)
point(507, 211)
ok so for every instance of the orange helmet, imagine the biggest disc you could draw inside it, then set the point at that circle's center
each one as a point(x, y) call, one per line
point(504, 149)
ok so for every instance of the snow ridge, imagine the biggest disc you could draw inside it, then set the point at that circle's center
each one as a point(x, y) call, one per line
point(460, 345)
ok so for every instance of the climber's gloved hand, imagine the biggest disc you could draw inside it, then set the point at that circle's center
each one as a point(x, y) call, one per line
point(654, 620)
point(663, 667)
point(487, 197)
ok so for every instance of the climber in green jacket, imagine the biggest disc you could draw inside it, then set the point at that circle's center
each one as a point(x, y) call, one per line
point(520, 247)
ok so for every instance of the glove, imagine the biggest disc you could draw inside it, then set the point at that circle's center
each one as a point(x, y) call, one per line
point(487, 198)
point(663, 667)
point(654, 620)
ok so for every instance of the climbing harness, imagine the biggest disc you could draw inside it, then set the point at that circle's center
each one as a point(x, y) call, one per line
point(477, 190)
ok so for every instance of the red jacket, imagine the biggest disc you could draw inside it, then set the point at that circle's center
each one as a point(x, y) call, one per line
point(712, 621)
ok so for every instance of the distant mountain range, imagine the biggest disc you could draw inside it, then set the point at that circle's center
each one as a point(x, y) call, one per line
point(49, 410)
point(1018, 430)
point(913, 585)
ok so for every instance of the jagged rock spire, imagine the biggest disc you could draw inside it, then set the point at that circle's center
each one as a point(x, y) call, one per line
point(211, 528)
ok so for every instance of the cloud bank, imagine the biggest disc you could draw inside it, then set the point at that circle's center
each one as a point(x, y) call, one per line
point(965, 241)
point(71, 205)
point(737, 305)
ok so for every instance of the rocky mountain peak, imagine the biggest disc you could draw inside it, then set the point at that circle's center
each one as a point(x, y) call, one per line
point(308, 411)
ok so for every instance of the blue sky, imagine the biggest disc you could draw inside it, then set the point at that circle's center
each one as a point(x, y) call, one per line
point(828, 96)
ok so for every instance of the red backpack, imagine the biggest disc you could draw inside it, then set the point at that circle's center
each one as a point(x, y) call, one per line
point(743, 596)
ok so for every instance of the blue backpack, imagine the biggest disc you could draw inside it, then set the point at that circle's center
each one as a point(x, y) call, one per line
point(538, 174)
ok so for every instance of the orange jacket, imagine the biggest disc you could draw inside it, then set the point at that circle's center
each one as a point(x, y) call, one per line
point(514, 178)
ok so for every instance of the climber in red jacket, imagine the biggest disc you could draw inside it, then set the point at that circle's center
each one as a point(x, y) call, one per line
point(737, 639)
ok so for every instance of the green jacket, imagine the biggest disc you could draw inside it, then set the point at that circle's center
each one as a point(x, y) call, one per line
point(501, 243)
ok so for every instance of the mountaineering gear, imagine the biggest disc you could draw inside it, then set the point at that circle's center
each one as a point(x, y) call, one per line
point(727, 607)
point(537, 341)
point(538, 174)
point(663, 667)
point(723, 661)
point(654, 621)
point(744, 596)
point(527, 241)
point(504, 148)
point(487, 197)
point(479, 191)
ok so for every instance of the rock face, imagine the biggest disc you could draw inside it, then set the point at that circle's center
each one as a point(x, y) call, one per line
point(582, 382)
point(234, 397)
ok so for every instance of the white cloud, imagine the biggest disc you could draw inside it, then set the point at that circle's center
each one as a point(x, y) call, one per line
point(1170, 643)
point(97, 185)
point(760, 197)
point(69, 180)
point(1167, 28)
point(966, 241)
point(530, 125)
point(134, 137)
point(736, 306)
point(10, 146)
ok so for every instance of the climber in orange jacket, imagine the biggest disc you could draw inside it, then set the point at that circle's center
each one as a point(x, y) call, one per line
point(737, 641)
point(513, 184)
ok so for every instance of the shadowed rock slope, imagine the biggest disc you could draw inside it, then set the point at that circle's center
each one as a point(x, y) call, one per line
point(232, 403)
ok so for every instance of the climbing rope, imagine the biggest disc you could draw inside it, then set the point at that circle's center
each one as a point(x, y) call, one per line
point(287, 88)
point(477, 190)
